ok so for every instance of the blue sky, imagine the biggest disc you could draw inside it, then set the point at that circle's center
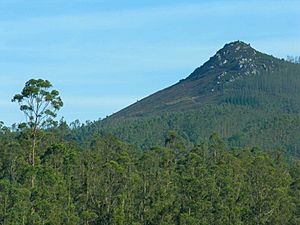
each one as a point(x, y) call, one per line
point(104, 55)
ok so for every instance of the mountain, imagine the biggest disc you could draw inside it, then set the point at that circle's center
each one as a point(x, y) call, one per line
point(248, 97)
point(207, 84)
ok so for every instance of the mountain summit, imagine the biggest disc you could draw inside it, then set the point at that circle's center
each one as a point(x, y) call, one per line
point(234, 61)
point(237, 71)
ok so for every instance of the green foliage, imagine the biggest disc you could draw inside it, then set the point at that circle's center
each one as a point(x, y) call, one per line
point(39, 106)
point(111, 182)
point(240, 126)
point(38, 103)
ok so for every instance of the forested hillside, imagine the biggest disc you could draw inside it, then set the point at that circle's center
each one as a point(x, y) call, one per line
point(248, 97)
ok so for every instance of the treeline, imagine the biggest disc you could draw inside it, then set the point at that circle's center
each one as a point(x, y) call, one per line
point(110, 182)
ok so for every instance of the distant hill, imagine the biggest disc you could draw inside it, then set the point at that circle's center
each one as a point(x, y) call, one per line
point(228, 69)
point(248, 97)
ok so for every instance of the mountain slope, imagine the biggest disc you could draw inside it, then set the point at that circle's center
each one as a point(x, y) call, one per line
point(209, 83)
point(248, 97)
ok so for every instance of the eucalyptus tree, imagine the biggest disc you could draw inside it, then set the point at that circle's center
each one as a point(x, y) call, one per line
point(39, 103)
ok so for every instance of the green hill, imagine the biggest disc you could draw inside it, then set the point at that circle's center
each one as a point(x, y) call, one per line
point(248, 97)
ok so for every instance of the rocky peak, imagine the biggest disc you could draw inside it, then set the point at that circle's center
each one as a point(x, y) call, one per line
point(234, 61)
point(237, 51)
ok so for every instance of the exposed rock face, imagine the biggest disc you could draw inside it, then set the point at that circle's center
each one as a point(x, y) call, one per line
point(234, 61)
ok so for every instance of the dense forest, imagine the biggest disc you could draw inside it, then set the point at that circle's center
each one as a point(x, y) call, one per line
point(111, 182)
point(48, 175)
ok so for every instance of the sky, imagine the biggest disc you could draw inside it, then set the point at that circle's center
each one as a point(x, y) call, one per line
point(103, 55)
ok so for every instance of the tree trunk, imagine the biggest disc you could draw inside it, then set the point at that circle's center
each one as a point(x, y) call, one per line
point(33, 158)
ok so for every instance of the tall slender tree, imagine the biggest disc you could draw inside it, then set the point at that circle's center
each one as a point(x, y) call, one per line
point(39, 104)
